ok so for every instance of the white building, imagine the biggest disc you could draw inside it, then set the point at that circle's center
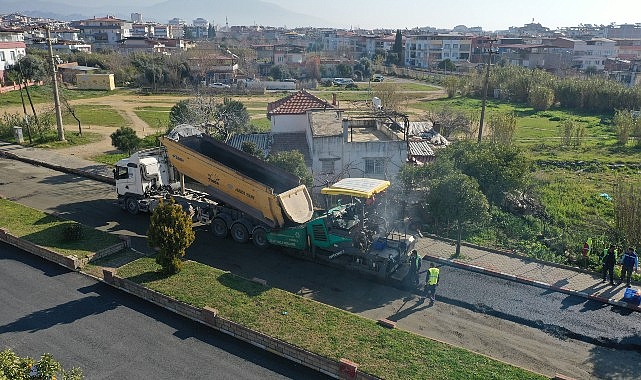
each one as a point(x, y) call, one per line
point(104, 30)
point(426, 51)
point(12, 48)
point(334, 147)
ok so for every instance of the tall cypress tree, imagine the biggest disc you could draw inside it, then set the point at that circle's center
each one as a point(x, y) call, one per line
point(398, 47)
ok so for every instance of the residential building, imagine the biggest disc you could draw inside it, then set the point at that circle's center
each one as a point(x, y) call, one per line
point(12, 48)
point(334, 147)
point(104, 32)
point(588, 53)
point(426, 51)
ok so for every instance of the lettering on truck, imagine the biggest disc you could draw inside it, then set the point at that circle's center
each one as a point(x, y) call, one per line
point(241, 191)
point(174, 155)
point(215, 181)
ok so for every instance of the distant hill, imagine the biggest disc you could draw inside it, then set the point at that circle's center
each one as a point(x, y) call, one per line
point(238, 12)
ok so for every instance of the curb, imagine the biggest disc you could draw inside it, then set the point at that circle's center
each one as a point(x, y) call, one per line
point(79, 172)
point(528, 281)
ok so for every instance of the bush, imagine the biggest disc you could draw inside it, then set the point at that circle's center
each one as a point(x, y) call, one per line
point(72, 232)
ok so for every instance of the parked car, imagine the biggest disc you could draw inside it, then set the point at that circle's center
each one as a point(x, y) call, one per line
point(343, 81)
point(377, 78)
point(219, 85)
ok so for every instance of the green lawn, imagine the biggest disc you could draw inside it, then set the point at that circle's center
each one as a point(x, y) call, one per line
point(48, 231)
point(154, 116)
point(95, 114)
point(44, 94)
point(328, 331)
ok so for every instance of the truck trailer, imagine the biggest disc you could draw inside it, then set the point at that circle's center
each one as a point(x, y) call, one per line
point(249, 199)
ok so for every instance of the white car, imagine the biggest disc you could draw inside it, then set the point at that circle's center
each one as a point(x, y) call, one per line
point(219, 85)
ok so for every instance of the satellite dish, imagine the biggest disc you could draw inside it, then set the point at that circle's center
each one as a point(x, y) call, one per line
point(377, 103)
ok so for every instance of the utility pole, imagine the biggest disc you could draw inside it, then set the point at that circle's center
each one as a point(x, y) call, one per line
point(56, 95)
point(485, 85)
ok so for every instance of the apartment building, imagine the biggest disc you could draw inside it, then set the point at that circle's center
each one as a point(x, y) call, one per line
point(12, 48)
point(105, 31)
point(426, 51)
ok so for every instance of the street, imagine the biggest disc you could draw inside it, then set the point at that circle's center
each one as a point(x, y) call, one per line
point(540, 330)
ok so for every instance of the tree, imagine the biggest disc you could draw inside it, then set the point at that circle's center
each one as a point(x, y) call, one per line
point(292, 161)
point(392, 99)
point(450, 122)
point(344, 70)
point(170, 231)
point(125, 139)
point(193, 111)
point(625, 125)
point(13, 366)
point(364, 65)
point(397, 48)
point(231, 118)
point(457, 199)
point(627, 206)
point(279, 72)
point(541, 98)
point(503, 127)
point(250, 147)
point(498, 169)
point(447, 65)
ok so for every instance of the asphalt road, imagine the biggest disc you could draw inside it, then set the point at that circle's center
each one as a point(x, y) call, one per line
point(110, 334)
point(554, 314)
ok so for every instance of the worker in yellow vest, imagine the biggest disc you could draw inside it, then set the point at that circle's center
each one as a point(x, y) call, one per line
point(431, 282)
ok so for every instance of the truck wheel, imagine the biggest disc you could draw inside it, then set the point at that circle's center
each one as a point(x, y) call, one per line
point(219, 228)
point(259, 236)
point(132, 205)
point(239, 233)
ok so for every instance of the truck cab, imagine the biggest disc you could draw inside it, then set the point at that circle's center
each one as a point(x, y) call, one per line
point(143, 177)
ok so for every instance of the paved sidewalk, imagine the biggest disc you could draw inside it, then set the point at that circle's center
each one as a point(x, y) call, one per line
point(559, 278)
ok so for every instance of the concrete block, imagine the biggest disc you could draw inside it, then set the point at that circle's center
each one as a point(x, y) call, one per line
point(347, 369)
point(387, 323)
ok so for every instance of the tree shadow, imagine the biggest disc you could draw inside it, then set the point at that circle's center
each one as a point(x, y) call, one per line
point(65, 313)
point(615, 363)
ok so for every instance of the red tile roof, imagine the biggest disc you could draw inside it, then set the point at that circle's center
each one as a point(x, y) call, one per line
point(297, 103)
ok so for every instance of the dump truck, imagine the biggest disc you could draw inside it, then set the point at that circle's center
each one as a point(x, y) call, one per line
point(249, 199)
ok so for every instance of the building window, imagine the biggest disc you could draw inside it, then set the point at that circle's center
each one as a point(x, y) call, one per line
point(1, 56)
point(375, 166)
point(12, 54)
point(327, 166)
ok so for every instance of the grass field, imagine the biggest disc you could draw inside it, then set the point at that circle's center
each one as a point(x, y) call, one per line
point(47, 230)
point(331, 332)
point(156, 117)
point(95, 114)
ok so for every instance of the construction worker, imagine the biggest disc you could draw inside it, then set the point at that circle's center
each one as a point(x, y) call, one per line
point(629, 262)
point(608, 260)
point(431, 282)
point(415, 265)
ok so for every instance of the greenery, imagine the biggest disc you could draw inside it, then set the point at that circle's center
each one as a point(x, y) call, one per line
point(48, 231)
point(171, 233)
point(293, 162)
point(125, 139)
point(14, 367)
point(328, 331)
point(94, 115)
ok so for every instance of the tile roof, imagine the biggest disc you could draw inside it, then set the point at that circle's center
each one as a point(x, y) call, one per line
point(298, 103)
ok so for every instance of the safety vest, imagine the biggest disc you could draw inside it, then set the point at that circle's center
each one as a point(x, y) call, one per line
point(433, 277)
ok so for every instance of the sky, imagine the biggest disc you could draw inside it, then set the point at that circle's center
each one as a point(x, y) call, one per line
point(489, 15)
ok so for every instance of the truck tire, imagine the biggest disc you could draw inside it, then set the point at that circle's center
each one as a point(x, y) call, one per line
point(239, 233)
point(132, 206)
point(259, 236)
point(219, 228)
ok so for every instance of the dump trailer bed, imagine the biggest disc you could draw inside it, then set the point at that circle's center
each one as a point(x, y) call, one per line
point(267, 193)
